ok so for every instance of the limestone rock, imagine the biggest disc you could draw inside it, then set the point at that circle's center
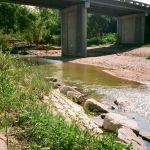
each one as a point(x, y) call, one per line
point(64, 89)
point(78, 98)
point(145, 135)
point(122, 102)
point(72, 93)
point(3, 145)
point(127, 136)
point(114, 121)
point(96, 106)
point(72, 111)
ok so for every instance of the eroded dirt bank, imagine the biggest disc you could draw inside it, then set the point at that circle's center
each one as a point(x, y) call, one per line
point(124, 62)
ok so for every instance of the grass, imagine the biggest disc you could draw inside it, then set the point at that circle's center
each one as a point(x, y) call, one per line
point(30, 124)
point(148, 56)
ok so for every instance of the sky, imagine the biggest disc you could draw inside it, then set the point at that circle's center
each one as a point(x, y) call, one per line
point(144, 1)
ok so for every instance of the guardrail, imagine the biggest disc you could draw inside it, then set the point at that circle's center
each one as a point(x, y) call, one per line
point(135, 3)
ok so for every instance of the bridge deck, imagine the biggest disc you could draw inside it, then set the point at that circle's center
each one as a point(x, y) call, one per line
point(107, 7)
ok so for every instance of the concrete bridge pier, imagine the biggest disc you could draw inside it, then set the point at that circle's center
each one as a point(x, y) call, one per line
point(74, 30)
point(131, 29)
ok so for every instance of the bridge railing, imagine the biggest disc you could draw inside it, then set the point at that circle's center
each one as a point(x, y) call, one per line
point(135, 3)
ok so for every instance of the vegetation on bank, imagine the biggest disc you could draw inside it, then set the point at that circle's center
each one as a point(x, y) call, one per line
point(23, 25)
point(109, 38)
point(29, 123)
point(148, 56)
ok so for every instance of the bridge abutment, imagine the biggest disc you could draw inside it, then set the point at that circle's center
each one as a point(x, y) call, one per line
point(74, 30)
point(131, 29)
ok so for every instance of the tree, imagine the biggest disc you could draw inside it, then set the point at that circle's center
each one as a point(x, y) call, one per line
point(53, 27)
point(99, 24)
point(8, 17)
point(30, 24)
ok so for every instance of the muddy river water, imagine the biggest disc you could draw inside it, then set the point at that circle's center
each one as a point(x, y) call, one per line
point(101, 86)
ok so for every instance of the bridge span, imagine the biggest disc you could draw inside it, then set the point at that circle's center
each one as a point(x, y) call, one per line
point(130, 17)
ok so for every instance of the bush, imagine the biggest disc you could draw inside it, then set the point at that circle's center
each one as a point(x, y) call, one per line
point(109, 38)
point(92, 41)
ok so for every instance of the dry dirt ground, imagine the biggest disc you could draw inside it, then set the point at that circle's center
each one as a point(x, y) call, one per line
point(123, 61)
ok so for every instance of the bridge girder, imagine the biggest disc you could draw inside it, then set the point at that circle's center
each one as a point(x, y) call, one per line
point(107, 7)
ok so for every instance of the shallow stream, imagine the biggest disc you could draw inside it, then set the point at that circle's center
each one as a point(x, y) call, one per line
point(101, 86)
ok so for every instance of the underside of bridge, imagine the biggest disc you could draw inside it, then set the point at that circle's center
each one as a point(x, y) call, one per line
point(130, 17)
point(107, 7)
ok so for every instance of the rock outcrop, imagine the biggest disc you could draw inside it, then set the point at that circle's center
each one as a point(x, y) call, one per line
point(126, 135)
point(96, 106)
point(71, 111)
point(114, 121)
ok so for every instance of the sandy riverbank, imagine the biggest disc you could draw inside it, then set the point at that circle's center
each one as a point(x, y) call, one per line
point(124, 62)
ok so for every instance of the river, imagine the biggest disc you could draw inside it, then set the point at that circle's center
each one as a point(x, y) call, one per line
point(101, 86)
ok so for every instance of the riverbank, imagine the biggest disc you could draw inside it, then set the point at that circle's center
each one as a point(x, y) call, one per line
point(123, 62)
point(36, 111)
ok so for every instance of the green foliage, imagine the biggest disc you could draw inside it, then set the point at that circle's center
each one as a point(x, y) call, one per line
point(93, 41)
point(38, 25)
point(44, 130)
point(42, 25)
point(107, 143)
point(8, 92)
point(148, 56)
point(8, 17)
point(7, 88)
point(100, 30)
point(109, 38)
point(53, 27)
point(86, 110)
point(97, 25)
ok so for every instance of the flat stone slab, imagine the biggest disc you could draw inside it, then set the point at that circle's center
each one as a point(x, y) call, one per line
point(96, 106)
point(127, 136)
point(71, 111)
point(114, 121)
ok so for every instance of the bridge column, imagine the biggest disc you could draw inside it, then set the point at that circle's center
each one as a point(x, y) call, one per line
point(131, 28)
point(74, 30)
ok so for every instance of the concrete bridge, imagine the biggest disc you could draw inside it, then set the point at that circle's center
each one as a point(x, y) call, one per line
point(130, 17)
